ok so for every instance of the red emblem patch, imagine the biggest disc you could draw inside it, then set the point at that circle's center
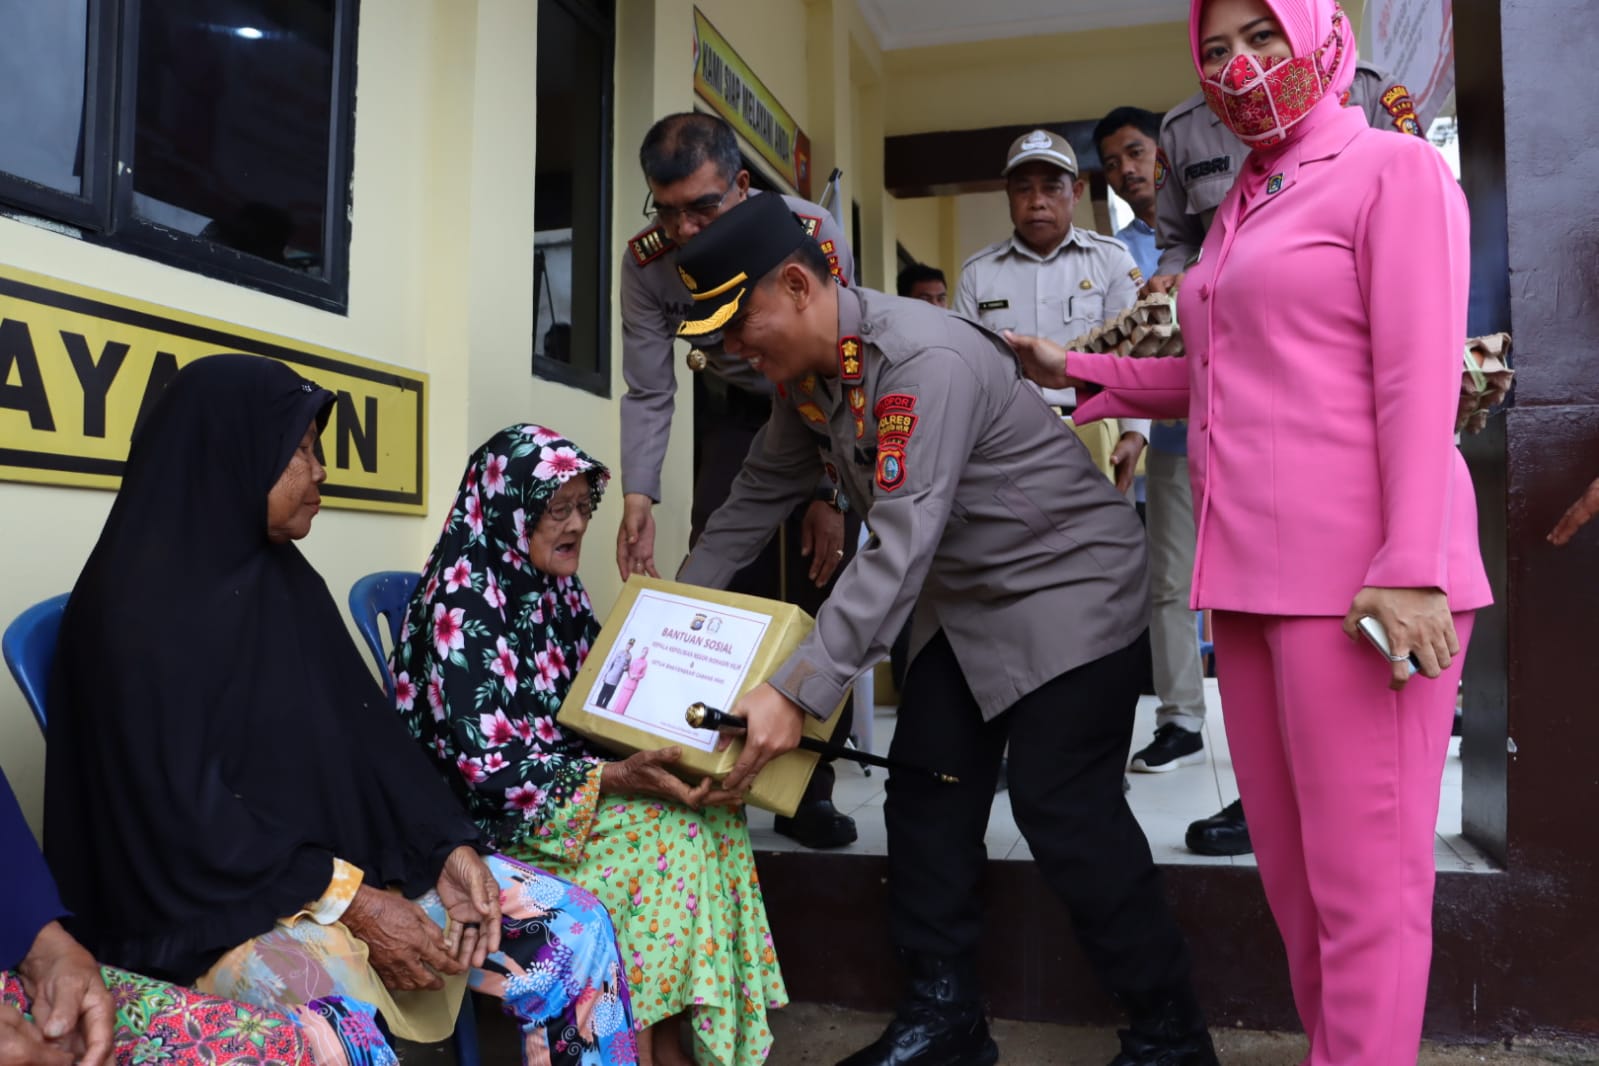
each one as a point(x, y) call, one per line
point(1162, 168)
point(894, 401)
point(1399, 104)
point(832, 472)
point(809, 223)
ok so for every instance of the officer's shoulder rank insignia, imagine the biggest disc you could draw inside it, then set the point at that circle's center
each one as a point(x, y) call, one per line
point(1398, 103)
point(1137, 276)
point(993, 305)
point(849, 358)
point(650, 245)
point(809, 223)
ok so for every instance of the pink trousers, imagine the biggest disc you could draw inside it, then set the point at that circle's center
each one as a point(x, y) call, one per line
point(1339, 777)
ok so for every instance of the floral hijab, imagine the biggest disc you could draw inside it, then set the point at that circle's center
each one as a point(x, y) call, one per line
point(490, 644)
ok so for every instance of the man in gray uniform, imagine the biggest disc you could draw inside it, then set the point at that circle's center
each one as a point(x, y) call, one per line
point(1198, 162)
point(692, 165)
point(1050, 278)
point(1025, 571)
point(1200, 158)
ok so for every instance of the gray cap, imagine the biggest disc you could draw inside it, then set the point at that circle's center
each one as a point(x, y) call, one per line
point(1043, 146)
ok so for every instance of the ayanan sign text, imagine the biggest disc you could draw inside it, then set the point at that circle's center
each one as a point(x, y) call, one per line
point(79, 368)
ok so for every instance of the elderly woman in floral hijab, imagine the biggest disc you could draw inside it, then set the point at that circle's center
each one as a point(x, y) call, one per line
point(495, 633)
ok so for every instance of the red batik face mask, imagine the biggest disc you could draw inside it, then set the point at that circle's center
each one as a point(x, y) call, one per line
point(1261, 98)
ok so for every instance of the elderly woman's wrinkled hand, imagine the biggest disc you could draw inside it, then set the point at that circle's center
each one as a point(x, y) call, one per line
point(406, 949)
point(22, 1044)
point(471, 897)
point(649, 773)
point(71, 1006)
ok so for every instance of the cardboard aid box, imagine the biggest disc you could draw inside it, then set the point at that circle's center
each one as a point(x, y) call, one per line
point(665, 646)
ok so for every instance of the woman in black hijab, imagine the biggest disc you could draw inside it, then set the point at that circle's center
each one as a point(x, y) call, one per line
point(230, 801)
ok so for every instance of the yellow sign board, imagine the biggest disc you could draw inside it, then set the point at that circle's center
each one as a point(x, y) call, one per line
point(79, 367)
point(724, 81)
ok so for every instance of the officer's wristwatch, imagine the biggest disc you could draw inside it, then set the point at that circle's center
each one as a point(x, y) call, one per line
point(834, 498)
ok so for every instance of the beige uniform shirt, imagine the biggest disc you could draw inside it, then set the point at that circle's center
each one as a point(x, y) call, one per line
point(1200, 158)
point(978, 497)
point(654, 303)
point(1088, 279)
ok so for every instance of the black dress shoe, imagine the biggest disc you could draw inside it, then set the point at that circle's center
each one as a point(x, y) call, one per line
point(940, 1023)
point(1167, 1030)
point(1225, 833)
point(818, 824)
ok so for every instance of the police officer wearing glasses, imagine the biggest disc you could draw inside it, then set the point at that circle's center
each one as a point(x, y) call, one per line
point(695, 173)
point(1022, 570)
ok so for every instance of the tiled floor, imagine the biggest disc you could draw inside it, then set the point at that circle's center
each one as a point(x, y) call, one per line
point(1164, 803)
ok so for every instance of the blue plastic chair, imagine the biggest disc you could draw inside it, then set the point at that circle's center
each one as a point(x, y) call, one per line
point(29, 646)
point(379, 598)
point(383, 595)
point(30, 650)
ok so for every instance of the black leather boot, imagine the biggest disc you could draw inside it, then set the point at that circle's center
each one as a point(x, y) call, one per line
point(941, 1021)
point(1168, 1029)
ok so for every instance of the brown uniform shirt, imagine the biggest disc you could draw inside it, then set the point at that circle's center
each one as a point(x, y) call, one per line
point(654, 303)
point(979, 499)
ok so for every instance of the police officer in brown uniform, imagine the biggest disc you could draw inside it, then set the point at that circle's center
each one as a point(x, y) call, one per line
point(1025, 571)
point(1198, 161)
point(692, 165)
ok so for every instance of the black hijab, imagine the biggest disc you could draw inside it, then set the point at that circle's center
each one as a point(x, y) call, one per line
point(215, 736)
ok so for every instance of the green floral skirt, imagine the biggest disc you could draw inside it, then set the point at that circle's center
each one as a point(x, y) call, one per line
point(686, 901)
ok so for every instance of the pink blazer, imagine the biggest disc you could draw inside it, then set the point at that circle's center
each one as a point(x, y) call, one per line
point(1324, 327)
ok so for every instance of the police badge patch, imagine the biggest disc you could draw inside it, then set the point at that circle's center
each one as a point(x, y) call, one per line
point(1398, 103)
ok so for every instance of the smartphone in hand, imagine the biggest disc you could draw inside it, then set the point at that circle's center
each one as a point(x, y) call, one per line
point(1378, 635)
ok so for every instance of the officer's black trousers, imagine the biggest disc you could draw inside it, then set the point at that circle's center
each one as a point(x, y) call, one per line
point(1069, 742)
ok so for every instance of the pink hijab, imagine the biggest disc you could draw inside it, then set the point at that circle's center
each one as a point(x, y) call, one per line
point(1307, 23)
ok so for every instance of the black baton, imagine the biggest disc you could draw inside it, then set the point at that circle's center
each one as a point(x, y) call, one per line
point(702, 717)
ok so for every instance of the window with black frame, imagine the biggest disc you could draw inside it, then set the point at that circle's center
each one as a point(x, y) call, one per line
point(572, 253)
point(213, 135)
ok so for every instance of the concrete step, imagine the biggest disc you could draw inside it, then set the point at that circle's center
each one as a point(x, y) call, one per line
point(810, 1035)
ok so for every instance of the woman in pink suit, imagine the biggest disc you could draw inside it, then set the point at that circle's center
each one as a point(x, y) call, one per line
point(635, 674)
point(1324, 322)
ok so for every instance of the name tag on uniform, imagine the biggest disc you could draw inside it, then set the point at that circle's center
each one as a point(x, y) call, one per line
point(993, 305)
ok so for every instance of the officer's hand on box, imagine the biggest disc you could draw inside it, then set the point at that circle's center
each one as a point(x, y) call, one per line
point(635, 538)
point(1043, 361)
point(649, 773)
point(822, 540)
point(773, 724)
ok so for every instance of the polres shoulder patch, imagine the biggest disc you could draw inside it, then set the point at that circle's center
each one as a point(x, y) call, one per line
point(1399, 104)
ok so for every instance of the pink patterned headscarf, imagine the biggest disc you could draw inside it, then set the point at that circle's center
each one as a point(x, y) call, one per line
point(1307, 24)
